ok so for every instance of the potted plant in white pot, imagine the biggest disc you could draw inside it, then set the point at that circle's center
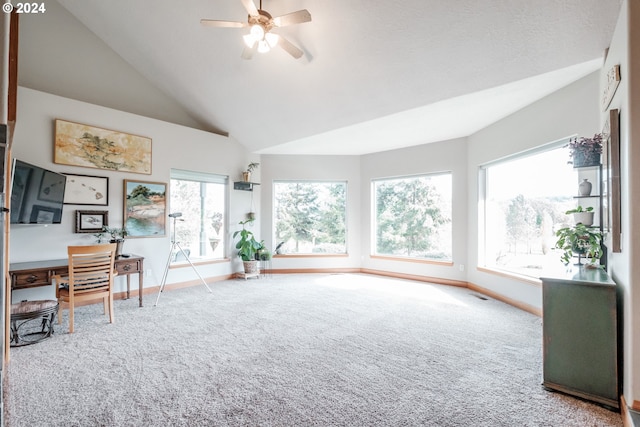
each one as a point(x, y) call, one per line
point(582, 215)
point(247, 247)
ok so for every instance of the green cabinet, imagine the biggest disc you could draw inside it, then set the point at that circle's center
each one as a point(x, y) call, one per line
point(580, 333)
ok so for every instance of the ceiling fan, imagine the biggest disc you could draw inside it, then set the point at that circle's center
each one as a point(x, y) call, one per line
point(260, 24)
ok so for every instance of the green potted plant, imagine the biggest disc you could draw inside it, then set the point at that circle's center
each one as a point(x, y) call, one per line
point(117, 235)
point(581, 240)
point(246, 175)
point(582, 215)
point(585, 151)
point(247, 247)
point(263, 253)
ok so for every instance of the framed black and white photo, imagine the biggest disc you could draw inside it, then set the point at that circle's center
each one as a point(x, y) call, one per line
point(86, 190)
point(91, 221)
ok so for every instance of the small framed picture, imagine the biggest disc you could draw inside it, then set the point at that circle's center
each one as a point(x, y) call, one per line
point(91, 221)
point(86, 190)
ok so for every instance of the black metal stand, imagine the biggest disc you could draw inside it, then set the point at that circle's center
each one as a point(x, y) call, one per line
point(176, 248)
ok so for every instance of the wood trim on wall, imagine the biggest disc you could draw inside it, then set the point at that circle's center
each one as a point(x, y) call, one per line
point(13, 69)
point(627, 421)
point(522, 306)
point(428, 279)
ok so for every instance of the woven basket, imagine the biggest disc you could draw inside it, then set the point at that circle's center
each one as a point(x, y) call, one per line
point(251, 267)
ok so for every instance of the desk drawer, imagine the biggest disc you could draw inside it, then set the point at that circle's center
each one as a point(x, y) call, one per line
point(30, 279)
point(123, 267)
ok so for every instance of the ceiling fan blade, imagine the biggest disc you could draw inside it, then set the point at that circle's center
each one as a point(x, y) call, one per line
point(222, 24)
point(292, 18)
point(289, 47)
point(248, 52)
point(250, 6)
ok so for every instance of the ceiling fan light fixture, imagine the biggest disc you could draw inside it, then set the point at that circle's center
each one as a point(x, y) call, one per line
point(257, 31)
point(263, 46)
point(272, 39)
point(249, 40)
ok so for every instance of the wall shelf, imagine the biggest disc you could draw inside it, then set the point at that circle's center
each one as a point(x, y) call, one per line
point(244, 185)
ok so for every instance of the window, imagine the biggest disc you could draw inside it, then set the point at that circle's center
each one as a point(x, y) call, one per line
point(310, 217)
point(525, 200)
point(413, 217)
point(201, 199)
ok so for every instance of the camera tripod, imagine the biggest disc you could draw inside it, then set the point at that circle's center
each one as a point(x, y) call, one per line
point(175, 249)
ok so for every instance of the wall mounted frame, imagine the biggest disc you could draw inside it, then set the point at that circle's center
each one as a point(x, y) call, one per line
point(86, 190)
point(91, 221)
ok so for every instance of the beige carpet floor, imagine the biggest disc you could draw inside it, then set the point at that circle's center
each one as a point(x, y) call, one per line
point(295, 350)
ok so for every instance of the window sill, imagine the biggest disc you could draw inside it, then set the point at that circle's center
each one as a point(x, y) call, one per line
point(515, 276)
point(417, 260)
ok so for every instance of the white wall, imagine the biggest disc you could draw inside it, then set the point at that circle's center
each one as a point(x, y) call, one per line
point(625, 51)
point(446, 156)
point(173, 146)
point(59, 55)
point(570, 111)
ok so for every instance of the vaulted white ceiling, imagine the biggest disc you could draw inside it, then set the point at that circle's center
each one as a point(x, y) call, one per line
point(375, 75)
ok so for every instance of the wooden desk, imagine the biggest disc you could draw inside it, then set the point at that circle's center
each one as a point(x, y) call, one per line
point(26, 275)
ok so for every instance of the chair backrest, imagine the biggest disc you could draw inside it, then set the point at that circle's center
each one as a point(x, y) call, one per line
point(91, 267)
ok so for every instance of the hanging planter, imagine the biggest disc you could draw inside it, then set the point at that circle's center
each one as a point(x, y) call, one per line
point(585, 151)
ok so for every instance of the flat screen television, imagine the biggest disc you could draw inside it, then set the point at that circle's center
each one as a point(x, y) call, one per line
point(37, 194)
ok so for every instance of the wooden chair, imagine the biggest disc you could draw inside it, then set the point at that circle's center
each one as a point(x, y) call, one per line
point(91, 274)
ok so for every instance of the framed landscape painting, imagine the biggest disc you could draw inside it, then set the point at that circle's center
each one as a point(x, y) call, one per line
point(145, 208)
point(92, 147)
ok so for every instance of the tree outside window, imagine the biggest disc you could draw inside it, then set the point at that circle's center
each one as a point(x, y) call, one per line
point(525, 200)
point(201, 198)
point(413, 217)
point(310, 217)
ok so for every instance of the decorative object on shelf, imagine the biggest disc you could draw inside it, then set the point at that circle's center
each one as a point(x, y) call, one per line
point(585, 151)
point(92, 147)
point(145, 208)
point(611, 221)
point(86, 190)
point(247, 248)
point(610, 86)
point(91, 221)
point(581, 240)
point(584, 188)
point(582, 215)
point(246, 175)
point(216, 225)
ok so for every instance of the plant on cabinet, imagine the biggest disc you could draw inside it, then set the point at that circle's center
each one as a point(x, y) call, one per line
point(581, 240)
